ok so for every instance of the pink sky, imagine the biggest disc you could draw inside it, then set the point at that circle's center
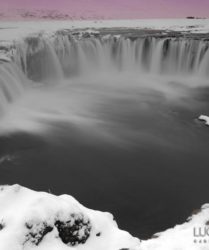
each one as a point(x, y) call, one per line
point(117, 8)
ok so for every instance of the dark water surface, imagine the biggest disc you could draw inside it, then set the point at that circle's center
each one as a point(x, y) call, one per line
point(150, 180)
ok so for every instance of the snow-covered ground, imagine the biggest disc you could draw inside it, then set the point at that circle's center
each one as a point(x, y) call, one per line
point(37, 220)
point(12, 30)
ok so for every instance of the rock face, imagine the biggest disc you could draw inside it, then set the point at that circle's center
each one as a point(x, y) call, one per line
point(2, 226)
point(42, 221)
point(74, 231)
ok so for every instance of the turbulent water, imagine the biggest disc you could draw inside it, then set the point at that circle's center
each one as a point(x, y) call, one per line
point(65, 77)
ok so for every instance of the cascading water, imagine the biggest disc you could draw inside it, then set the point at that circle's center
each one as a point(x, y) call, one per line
point(12, 82)
point(55, 62)
point(43, 58)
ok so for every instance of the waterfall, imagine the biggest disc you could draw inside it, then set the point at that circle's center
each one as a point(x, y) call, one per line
point(43, 58)
point(47, 61)
point(38, 59)
point(12, 84)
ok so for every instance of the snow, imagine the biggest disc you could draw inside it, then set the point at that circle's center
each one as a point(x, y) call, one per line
point(24, 213)
point(13, 30)
point(204, 118)
point(185, 236)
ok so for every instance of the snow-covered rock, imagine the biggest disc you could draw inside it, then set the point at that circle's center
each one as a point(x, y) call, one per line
point(204, 118)
point(42, 221)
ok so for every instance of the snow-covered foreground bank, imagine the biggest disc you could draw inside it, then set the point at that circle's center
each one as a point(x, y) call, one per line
point(42, 221)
